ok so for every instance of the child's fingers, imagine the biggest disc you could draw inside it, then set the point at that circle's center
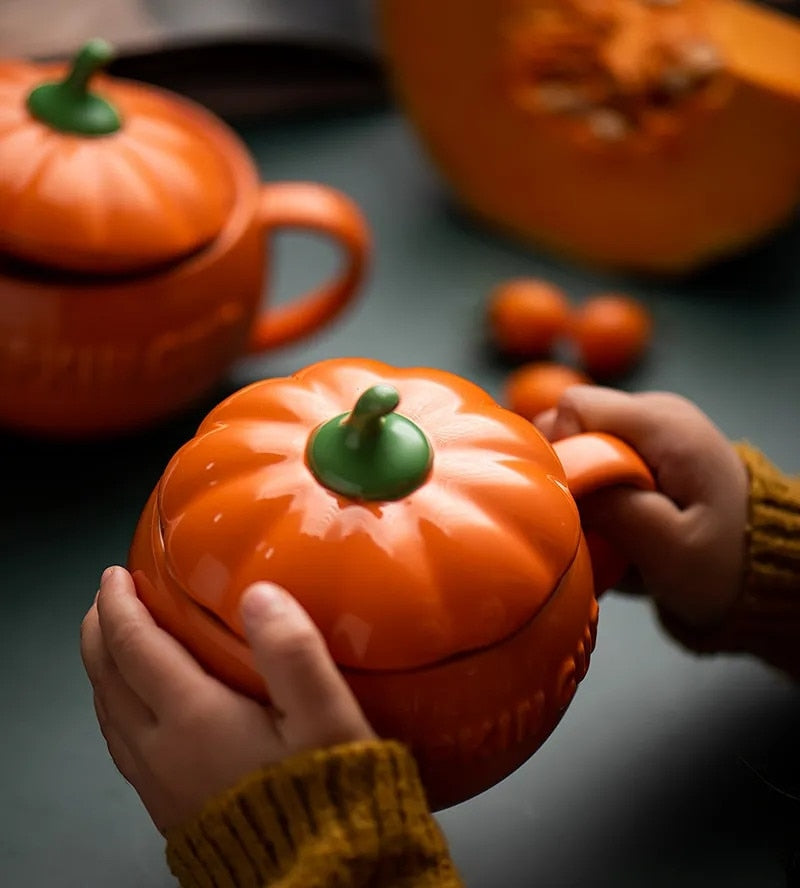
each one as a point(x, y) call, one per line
point(126, 762)
point(585, 408)
point(652, 422)
point(304, 684)
point(545, 422)
point(155, 666)
point(681, 445)
point(115, 703)
point(644, 526)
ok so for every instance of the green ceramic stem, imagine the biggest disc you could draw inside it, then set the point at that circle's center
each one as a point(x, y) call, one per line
point(366, 421)
point(68, 106)
point(371, 453)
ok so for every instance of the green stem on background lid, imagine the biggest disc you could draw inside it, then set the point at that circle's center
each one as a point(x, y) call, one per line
point(371, 453)
point(68, 106)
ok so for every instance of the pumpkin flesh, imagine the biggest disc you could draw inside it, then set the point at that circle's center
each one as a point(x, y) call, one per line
point(624, 134)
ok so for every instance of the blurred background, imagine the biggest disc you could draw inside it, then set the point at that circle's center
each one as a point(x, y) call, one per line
point(667, 770)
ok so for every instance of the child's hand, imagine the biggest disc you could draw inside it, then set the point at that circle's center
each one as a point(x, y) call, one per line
point(687, 539)
point(180, 736)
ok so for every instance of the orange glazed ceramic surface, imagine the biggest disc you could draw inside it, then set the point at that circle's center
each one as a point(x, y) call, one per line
point(151, 191)
point(461, 610)
point(627, 133)
point(96, 353)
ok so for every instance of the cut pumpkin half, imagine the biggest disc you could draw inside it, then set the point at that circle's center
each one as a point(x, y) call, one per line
point(645, 135)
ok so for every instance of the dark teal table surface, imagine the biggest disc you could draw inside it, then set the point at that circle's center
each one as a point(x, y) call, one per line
point(666, 771)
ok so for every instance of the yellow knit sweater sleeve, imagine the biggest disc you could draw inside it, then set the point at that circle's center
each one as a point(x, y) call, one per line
point(349, 816)
point(766, 619)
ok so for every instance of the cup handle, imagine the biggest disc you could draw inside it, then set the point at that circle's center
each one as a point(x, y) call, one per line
point(593, 460)
point(310, 206)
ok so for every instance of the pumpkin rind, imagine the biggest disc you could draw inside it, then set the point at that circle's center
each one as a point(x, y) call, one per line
point(460, 563)
point(627, 134)
point(152, 192)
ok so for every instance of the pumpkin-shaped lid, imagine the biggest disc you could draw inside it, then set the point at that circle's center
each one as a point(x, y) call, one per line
point(411, 515)
point(99, 175)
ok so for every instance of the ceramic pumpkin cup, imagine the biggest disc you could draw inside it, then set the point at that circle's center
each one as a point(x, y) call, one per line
point(432, 535)
point(132, 250)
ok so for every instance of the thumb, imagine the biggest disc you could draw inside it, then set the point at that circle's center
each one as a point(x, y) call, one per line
point(304, 683)
point(567, 418)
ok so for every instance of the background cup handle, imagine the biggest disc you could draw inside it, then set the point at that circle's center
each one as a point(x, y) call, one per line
point(311, 207)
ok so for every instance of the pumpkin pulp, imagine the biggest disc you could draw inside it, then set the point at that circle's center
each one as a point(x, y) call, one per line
point(646, 136)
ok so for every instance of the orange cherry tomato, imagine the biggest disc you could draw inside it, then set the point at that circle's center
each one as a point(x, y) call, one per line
point(538, 386)
point(526, 316)
point(611, 333)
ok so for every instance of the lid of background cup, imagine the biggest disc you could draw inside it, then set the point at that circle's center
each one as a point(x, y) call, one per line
point(104, 176)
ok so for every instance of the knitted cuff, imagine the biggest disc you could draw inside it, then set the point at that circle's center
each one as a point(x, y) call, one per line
point(773, 572)
point(766, 619)
point(350, 815)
